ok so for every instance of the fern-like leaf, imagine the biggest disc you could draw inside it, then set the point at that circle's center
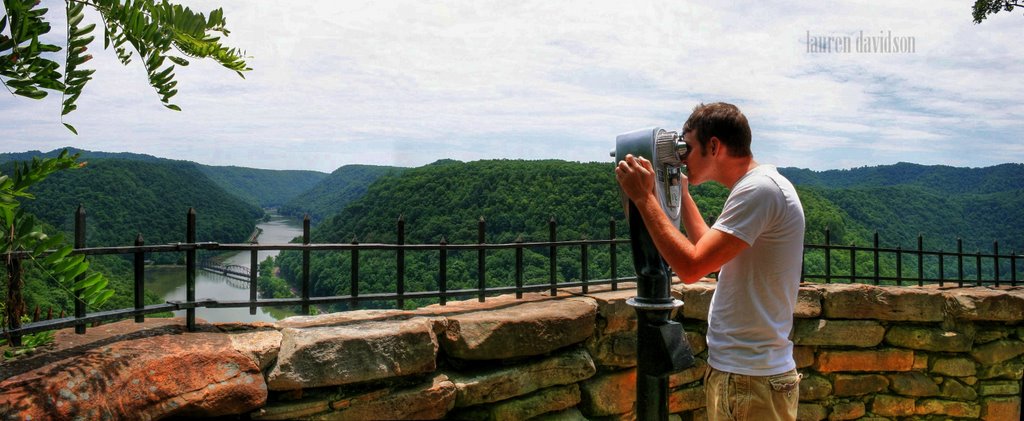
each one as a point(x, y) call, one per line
point(74, 78)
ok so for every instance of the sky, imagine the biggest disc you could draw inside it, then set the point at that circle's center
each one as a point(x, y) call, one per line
point(407, 83)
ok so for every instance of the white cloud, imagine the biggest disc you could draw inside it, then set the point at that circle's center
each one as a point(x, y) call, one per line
point(408, 82)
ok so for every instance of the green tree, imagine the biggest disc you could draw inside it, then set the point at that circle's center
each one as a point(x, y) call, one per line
point(983, 8)
point(161, 34)
point(21, 234)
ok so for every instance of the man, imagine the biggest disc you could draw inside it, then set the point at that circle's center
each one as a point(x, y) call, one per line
point(757, 242)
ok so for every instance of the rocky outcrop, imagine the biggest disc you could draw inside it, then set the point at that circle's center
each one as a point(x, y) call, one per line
point(128, 371)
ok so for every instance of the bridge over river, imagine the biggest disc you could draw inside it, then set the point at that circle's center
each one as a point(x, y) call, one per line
point(236, 273)
point(226, 278)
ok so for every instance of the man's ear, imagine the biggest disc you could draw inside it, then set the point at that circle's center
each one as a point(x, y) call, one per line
point(715, 145)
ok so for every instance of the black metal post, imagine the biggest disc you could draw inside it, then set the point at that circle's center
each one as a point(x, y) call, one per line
point(1013, 268)
point(140, 279)
point(942, 268)
point(400, 262)
point(305, 265)
point(828, 256)
point(661, 344)
point(853, 263)
point(254, 272)
point(920, 260)
point(355, 274)
point(875, 255)
point(584, 266)
point(611, 250)
point(977, 266)
point(960, 260)
point(899, 265)
point(519, 268)
point(79, 244)
point(481, 255)
point(553, 256)
point(442, 282)
point(995, 261)
point(190, 270)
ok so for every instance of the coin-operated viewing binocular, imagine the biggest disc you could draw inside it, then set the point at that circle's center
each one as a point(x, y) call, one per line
point(662, 347)
point(666, 151)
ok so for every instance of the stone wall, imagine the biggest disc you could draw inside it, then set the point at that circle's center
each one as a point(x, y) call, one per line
point(865, 352)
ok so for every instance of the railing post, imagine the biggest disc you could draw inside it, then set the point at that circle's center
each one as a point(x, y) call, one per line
point(553, 256)
point(305, 265)
point(79, 244)
point(853, 263)
point(140, 278)
point(899, 265)
point(400, 262)
point(960, 261)
point(611, 251)
point(354, 290)
point(875, 254)
point(977, 266)
point(1013, 268)
point(828, 256)
point(519, 267)
point(481, 255)
point(442, 282)
point(254, 273)
point(920, 260)
point(584, 263)
point(995, 261)
point(190, 270)
point(942, 268)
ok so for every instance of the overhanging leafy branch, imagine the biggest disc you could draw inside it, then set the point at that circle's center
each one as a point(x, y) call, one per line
point(157, 31)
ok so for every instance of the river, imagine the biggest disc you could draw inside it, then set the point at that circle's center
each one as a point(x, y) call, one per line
point(169, 281)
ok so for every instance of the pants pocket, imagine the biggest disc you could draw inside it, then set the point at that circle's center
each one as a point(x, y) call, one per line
point(785, 382)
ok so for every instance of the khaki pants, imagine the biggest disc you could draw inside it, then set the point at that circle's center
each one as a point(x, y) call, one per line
point(738, 397)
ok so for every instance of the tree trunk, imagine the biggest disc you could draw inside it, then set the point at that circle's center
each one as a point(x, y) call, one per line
point(15, 301)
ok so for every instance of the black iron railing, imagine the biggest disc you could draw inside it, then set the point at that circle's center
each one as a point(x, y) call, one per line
point(81, 319)
point(879, 265)
point(840, 264)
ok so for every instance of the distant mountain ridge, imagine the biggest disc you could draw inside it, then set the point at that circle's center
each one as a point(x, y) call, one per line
point(901, 200)
point(261, 187)
point(940, 178)
point(335, 191)
point(124, 198)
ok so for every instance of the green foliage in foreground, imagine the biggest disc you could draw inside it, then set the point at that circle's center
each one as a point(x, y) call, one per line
point(48, 254)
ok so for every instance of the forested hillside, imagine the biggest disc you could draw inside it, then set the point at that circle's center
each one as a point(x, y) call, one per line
point(264, 188)
point(516, 200)
point(123, 198)
point(333, 192)
point(902, 201)
point(937, 178)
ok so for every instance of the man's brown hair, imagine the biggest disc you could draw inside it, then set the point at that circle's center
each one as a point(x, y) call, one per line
point(721, 120)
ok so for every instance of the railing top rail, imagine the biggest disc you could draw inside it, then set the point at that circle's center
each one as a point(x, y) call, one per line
point(213, 246)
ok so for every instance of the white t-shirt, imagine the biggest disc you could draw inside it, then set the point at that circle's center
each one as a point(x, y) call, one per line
point(751, 312)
